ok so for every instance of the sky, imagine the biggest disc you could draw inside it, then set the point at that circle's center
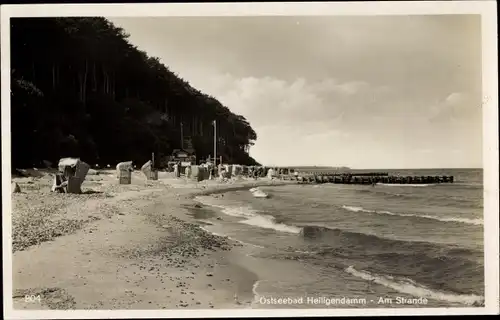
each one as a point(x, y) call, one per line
point(355, 91)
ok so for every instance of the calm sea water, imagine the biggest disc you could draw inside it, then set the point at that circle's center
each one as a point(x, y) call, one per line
point(362, 242)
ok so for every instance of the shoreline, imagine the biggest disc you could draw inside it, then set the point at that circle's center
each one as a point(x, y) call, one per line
point(136, 246)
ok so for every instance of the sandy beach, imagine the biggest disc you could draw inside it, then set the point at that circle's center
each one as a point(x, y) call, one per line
point(136, 246)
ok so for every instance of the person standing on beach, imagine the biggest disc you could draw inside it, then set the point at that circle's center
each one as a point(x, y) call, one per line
point(222, 172)
point(210, 171)
point(176, 170)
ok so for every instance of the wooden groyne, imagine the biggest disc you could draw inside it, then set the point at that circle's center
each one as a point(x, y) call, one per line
point(365, 179)
point(353, 174)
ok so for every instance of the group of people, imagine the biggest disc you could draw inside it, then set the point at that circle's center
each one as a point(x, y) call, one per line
point(176, 168)
point(226, 171)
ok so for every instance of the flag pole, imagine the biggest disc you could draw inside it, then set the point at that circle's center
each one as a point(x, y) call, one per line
point(182, 137)
point(215, 143)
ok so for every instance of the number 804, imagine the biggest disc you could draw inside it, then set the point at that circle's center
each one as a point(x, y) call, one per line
point(32, 298)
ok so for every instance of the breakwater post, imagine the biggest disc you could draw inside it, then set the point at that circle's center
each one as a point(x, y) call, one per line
point(319, 176)
point(366, 178)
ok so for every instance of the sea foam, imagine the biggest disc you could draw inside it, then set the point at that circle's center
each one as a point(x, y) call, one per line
point(443, 219)
point(410, 287)
point(253, 218)
point(406, 185)
point(268, 222)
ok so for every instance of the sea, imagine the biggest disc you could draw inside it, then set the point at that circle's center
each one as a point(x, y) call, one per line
point(360, 246)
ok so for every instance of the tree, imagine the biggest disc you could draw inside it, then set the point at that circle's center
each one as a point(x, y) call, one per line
point(79, 88)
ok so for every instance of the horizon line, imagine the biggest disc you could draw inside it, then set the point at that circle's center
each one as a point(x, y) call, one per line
point(387, 168)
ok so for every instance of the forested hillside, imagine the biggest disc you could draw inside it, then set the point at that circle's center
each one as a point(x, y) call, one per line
point(80, 89)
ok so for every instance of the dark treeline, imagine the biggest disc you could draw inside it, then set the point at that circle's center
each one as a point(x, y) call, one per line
point(80, 89)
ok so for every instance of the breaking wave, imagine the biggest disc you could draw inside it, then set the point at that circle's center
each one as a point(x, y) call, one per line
point(443, 219)
point(252, 217)
point(406, 184)
point(410, 287)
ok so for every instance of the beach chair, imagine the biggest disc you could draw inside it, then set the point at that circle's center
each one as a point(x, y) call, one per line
point(72, 173)
point(150, 172)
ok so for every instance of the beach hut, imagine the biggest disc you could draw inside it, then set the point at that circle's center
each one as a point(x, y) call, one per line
point(199, 173)
point(187, 171)
point(194, 173)
point(149, 171)
point(177, 172)
point(124, 172)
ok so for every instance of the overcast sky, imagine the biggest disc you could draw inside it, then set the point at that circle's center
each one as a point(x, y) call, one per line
point(362, 92)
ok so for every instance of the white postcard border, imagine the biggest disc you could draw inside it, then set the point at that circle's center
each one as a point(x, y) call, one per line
point(487, 9)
